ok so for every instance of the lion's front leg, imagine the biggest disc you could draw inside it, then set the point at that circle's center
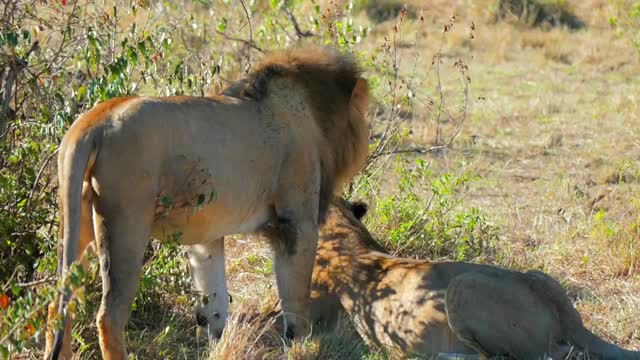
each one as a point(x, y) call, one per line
point(208, 273)
point(295, 250)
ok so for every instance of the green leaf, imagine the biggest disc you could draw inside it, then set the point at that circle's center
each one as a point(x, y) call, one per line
point(635, 12)
point(12, 38)
point(222, 25)
point(93, 41)
point(132, 55)
point(142, 47)
point(177, 71)
point(22, 203)
point(4, 352)
point(81, 92)
point(15, 289)
point(13, 159)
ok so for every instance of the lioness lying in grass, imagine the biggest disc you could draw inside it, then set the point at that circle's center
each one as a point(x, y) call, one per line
point(426, 307)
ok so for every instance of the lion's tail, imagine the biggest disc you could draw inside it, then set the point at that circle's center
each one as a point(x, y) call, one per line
point(74, 160)
point(607, 351)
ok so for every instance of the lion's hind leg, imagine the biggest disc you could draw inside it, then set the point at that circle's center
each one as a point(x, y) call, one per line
point(87, 238)
point(495, 312)
point(121, 239)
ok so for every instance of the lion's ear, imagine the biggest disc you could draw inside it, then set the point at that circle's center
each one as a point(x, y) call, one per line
point(359, 209)
point(360, 96)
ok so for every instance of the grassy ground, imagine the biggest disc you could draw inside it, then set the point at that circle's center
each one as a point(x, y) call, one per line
point(553, 130)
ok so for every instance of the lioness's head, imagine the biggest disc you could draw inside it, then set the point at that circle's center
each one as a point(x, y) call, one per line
point(357, 209)
point(344, 223)
point(340, 239)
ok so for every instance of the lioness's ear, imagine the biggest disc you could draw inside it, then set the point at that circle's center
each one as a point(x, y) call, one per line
point(360, 96)
point(359, 209)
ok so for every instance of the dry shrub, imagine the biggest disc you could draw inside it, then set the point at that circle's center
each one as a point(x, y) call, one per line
point(383, 10)
point(538, 13)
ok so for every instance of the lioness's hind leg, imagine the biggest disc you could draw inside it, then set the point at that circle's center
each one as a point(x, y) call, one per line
point(496, 313)
point(122, 239)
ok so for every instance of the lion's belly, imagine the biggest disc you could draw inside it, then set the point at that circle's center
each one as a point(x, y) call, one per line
point(192, 226)
point(201, 197)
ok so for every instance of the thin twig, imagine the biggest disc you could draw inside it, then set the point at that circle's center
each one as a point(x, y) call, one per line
point(441, 96)
point(48, 279)
point(417, 150)
point(35, 182)
point(5, 112)
point(301, 34)
point(246, 12)
point(246, 42)
point(16, 65)
point(63, 45)
point(6, 285)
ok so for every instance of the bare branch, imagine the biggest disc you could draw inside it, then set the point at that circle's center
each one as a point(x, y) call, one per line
point(246, 12)
point(246, 42)
point(416, 150)
point(35, 182)
point(63, 43)
point(438, 106)
point(16, 65)
point(301, 34)
point(48, 279)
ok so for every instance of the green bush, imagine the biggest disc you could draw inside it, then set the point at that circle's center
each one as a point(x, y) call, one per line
point(426, 217)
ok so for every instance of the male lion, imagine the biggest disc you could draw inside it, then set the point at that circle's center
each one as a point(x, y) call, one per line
point(198, 168)
point(415, 306)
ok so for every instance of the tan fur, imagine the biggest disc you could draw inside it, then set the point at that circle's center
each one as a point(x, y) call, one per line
point(196, 169)
point(414, 306)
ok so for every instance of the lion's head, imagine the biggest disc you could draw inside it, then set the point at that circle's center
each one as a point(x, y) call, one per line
point(339, 100)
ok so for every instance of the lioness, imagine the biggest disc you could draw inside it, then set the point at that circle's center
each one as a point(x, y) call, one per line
point(442, 307)
point(275, 149)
